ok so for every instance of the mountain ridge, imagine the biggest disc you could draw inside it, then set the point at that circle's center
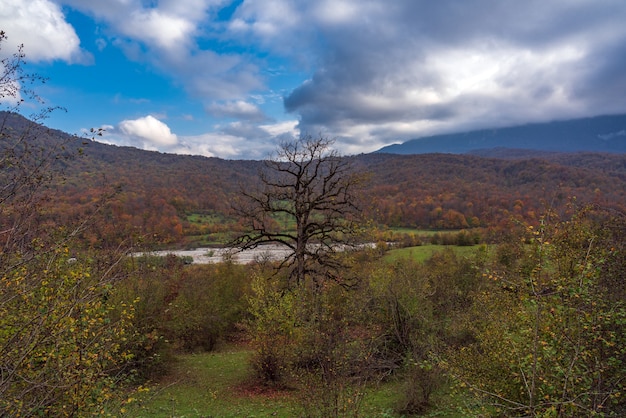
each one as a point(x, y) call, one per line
point(605, 133)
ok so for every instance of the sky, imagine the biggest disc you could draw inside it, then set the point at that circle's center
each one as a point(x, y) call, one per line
point(232, 79)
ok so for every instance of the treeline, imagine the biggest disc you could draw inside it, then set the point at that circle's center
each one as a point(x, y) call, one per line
point(460, 191)
point(155, 198)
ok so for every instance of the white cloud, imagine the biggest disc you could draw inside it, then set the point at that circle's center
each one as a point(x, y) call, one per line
point(237, 109)
point(212, 145)
point(211, 76)
point(158, 28)
point(149, 131)
point(267, 19)
point(281, 26)
point(289, 127)
point(167, 25)
point(348, 12)
point(235, 140)
point(239, 140)
point(337, 11)
point(40, 25)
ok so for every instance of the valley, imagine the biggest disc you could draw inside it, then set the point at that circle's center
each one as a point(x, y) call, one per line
point(468, 269)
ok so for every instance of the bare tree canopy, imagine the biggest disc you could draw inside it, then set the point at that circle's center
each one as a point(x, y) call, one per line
point(312, 191)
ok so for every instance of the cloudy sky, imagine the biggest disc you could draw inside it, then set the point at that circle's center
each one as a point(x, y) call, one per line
point(233, 78)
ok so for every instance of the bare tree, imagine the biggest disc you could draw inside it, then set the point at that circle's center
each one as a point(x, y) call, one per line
point(312, 191)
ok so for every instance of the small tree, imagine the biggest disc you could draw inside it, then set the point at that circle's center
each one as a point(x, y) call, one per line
point(311, 190)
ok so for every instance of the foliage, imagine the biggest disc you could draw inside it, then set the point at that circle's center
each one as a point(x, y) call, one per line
point(181, 308)
point(272, 327)
point(308, 342)
point(61, 338)
point(211, 301)
point(549, 335)
point(411, 306)
point(424, 252)
point(61, 341)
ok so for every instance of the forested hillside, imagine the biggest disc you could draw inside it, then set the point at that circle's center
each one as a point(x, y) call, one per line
point(456, 191)
point(154, 194)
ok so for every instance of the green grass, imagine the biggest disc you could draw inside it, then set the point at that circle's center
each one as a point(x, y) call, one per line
point(211, 385)
point(422, 232)
point(216, 239)
point(217, 384)
point(206, 218)
point(424, 252)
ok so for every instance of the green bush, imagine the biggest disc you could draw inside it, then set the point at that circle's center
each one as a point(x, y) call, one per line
point(181, 307)
point(548, 333)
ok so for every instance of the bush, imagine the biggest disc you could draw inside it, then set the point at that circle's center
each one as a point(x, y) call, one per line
point(422, 379)
point(548, 335)
point(181, 307)
point(62, 338)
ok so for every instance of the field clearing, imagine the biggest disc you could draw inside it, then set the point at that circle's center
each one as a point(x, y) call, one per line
point(424, 252)
point(217, 384)
point(423, 232)
point(211, 384)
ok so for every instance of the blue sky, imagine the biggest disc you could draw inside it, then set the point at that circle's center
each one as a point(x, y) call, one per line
point(232, 79)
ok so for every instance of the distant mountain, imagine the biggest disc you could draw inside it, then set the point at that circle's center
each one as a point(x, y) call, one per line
point(596, 134)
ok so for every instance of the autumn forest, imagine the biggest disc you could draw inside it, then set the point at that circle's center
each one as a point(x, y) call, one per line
point(155, 194)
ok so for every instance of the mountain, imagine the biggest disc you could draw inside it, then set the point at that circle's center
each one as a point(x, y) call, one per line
point(596, 134)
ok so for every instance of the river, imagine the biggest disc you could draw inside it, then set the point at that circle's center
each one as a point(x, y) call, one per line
point(217, 255)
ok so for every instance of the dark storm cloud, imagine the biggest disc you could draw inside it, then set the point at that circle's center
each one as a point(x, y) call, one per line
point(604, 76)
point(418, 67)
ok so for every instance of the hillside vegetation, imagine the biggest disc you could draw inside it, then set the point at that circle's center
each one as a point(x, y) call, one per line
point(166, 197)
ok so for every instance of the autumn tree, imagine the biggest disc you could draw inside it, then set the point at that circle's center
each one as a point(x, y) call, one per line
point(307, 202)
point(61, 338)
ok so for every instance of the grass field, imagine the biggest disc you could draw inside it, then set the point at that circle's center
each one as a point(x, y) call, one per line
point(217, 384)
point(211, 385)
point(422, 232)
point(424, 252)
